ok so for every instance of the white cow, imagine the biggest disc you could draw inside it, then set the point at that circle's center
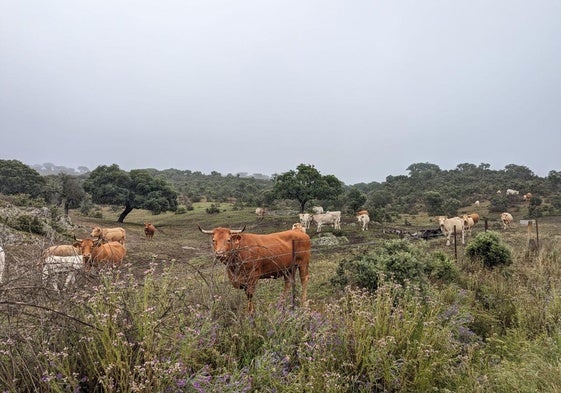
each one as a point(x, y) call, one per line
point(477, 203)
point(317, 209)
point(506, 219)
point(511, 192)
point(298, 227)
point(330, 218)
point(469, 222)
point(53, 265)
point(305, 220)
point(2, 264)
point(363, 219)
point(447, 227)
point(260, 212)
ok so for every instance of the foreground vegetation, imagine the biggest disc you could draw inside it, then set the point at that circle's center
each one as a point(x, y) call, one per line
point(168, 323)
point(385, 314)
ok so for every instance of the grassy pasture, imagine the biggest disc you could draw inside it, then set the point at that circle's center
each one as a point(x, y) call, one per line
point(169, 320)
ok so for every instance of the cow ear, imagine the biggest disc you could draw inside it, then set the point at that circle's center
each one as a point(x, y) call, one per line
point(236, 238)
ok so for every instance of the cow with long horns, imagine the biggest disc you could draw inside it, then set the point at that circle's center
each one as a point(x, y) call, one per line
point(249, 257)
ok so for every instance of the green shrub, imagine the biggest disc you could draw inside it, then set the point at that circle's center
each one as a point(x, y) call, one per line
point(181, 210)
point(488, 249)
point(398, 260)
point(213, 209)
point(29, 224)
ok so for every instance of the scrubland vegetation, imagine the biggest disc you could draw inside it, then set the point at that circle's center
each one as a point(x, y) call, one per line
point(396, 315)
point(386, 313)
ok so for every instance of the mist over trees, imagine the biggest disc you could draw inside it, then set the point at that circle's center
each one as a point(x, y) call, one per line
point(426, 187)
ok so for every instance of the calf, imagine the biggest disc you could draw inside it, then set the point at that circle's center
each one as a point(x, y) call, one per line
point(54, 265)
point(149, 230)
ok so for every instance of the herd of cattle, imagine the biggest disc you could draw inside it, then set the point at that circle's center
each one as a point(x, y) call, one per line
point(105, 247)
point(248, 257)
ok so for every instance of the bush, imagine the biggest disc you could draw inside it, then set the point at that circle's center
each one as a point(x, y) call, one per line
point(213, 209)
point(488, 249)
point(397, 260)
point(29, 224)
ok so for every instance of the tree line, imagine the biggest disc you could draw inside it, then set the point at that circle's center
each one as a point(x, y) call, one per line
point(425, 188)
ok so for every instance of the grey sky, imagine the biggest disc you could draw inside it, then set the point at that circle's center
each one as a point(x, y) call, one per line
point(359, 89)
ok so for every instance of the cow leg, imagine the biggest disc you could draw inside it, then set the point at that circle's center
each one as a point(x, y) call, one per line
point(304, 277)
point(70, 279)
point(249, 291)
point(288, 281)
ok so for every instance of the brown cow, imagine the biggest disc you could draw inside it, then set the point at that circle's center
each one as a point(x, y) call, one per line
point(249, 257)
point(149, 230)
point(474, 217)
point(63, 250)
point(117, 234)
point(97, 254)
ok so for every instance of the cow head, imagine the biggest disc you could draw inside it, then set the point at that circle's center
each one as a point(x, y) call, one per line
point(96, 232)
point(86, 246)
point(224, 240)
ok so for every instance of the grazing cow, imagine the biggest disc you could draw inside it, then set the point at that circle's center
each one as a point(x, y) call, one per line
point(96, 254)
point(62, 250)
point(477, 203)
point(361, 212)
point(117, 234)
point(260, 212)
point(2, 264)
point(305, 220)
point(447, 226)
point(56, 264)
point(330, 218)
point(499, 192)
point(527, 196)
point(149, 230)
point(297, 226)
point(510, 191)
point(363, 219)
point(249, 257)
point(317, 210)
point(506, 219)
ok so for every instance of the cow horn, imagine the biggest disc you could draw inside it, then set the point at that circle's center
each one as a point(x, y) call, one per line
point(205, 230)
point(238, 230)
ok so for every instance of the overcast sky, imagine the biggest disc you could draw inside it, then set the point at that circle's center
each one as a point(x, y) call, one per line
point(359, 89)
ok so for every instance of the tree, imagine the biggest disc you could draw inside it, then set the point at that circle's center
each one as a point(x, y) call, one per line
point(139, 189)
point(433, 202)
point(355, 199)
point(18, 178)
point(305, 184)
point(72, 192)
